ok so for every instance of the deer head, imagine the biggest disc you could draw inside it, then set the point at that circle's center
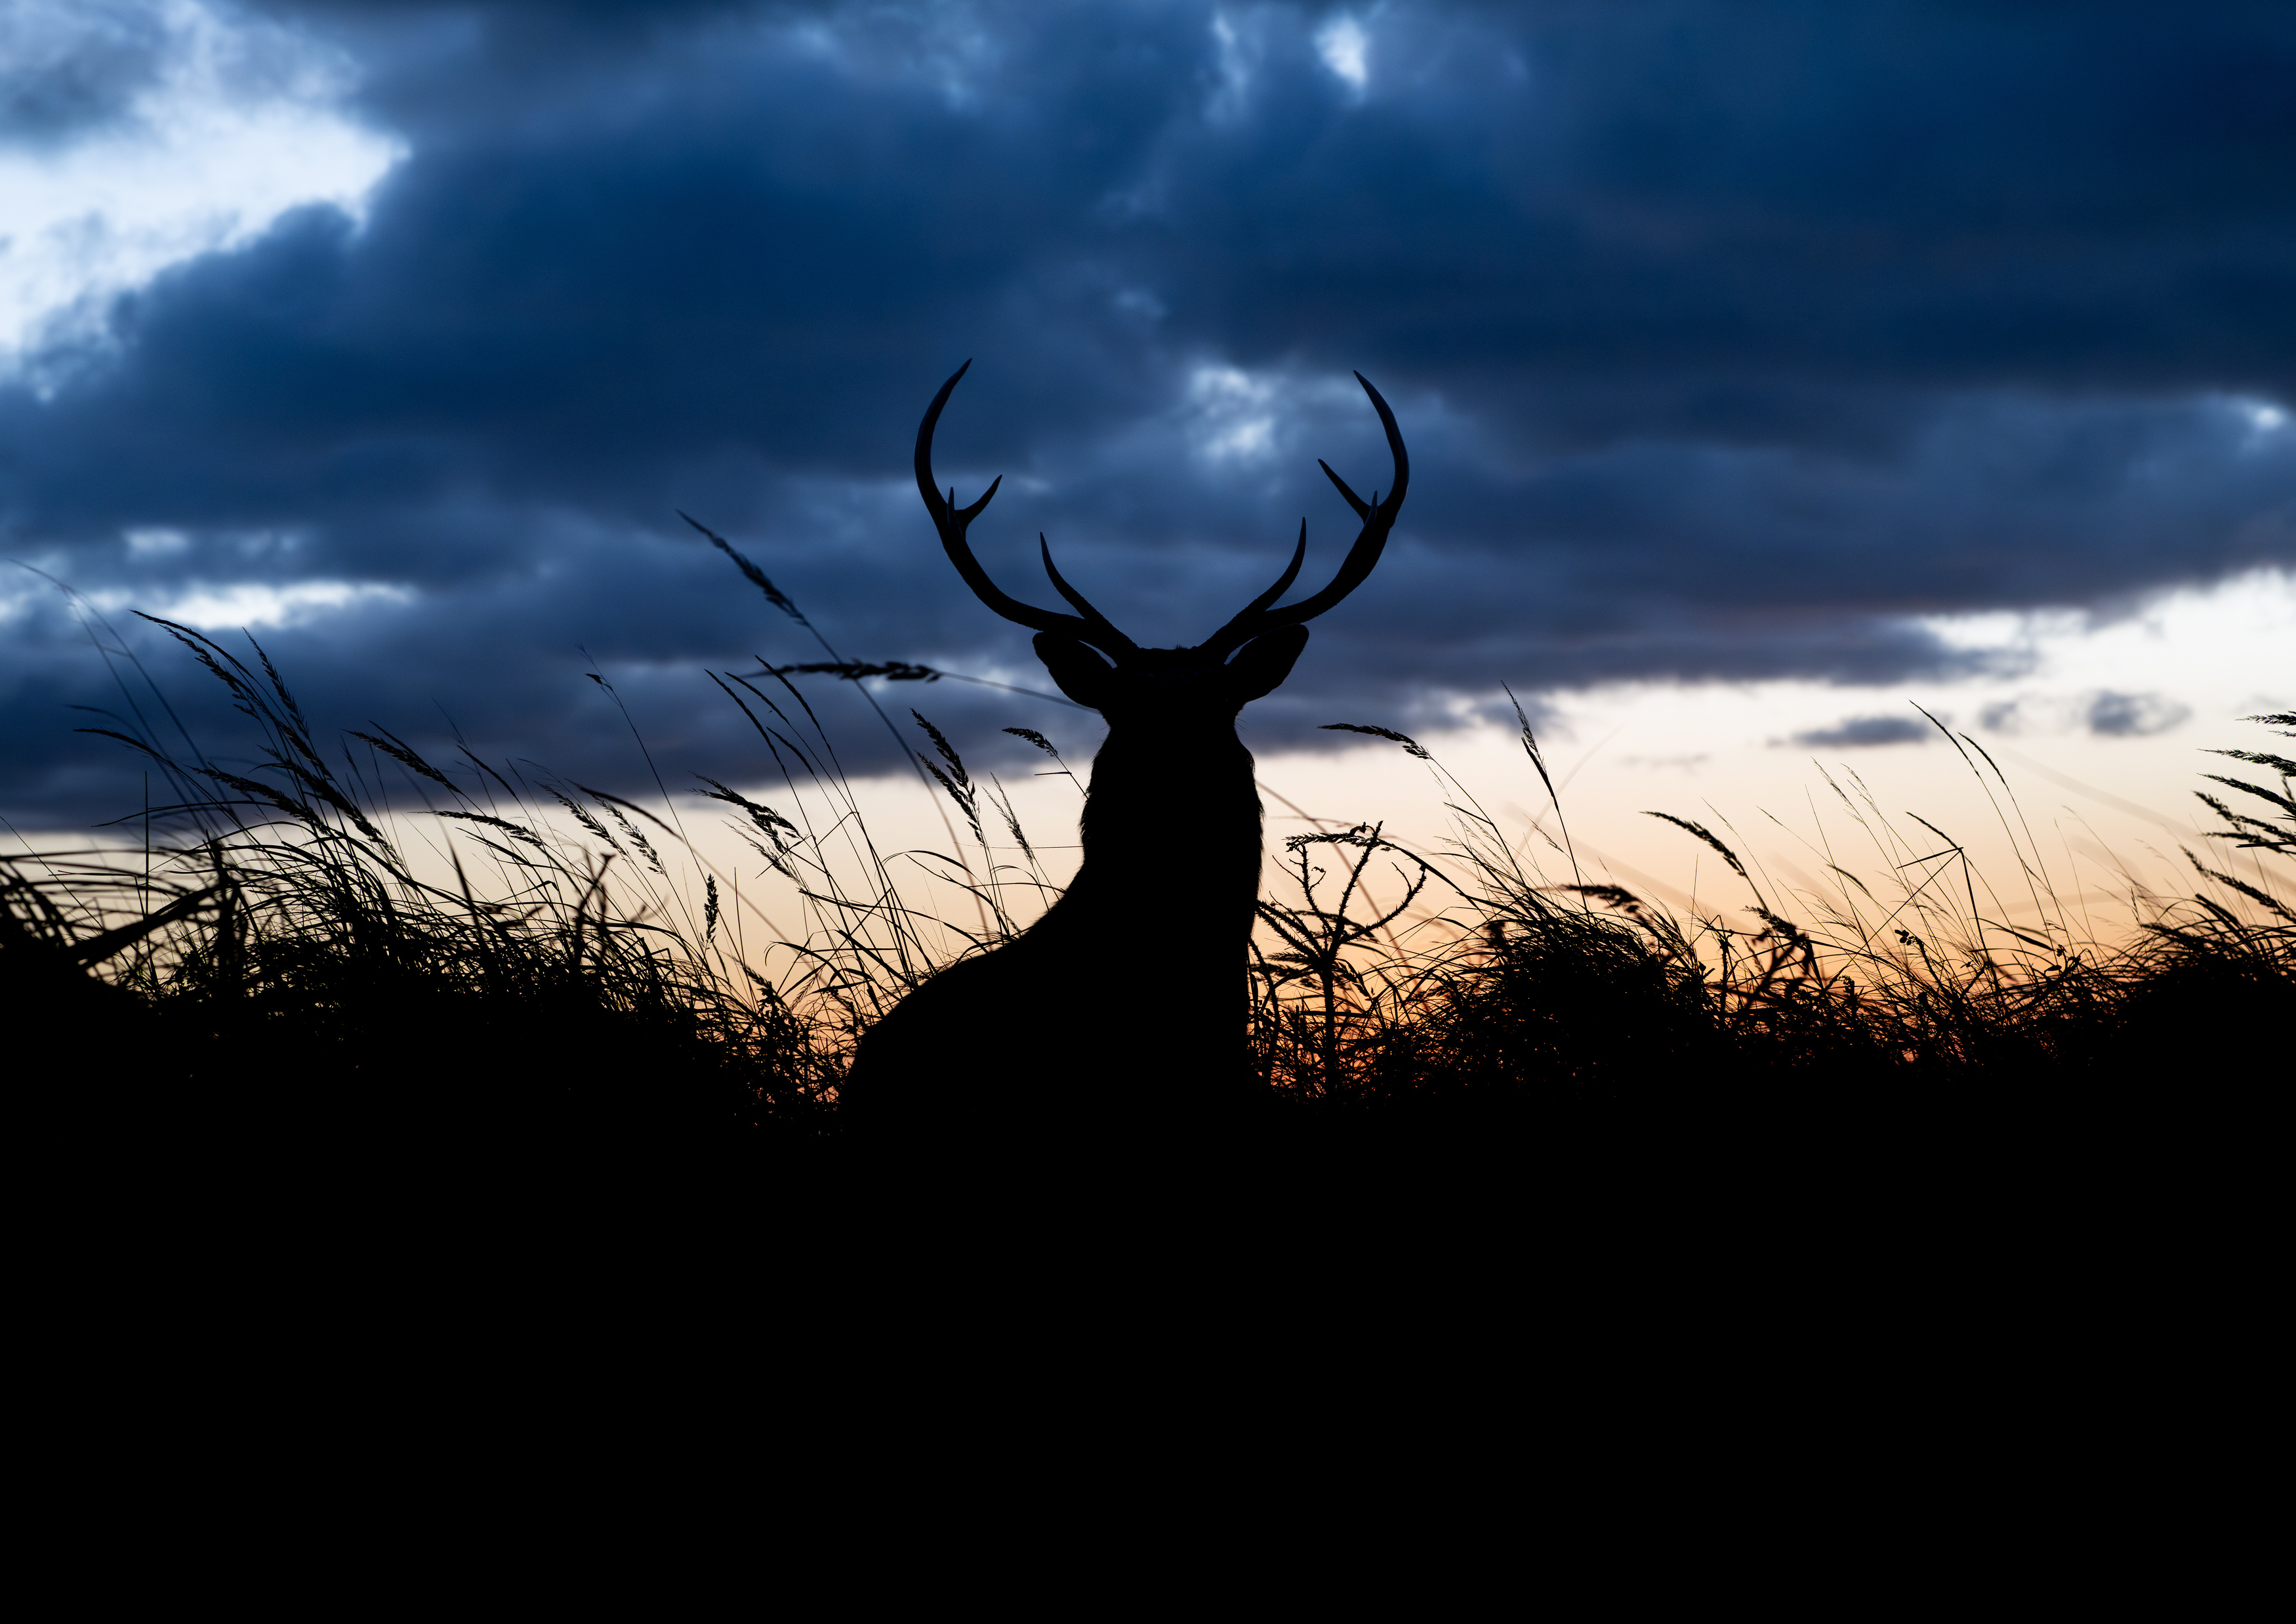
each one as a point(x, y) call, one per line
point(1168, 684)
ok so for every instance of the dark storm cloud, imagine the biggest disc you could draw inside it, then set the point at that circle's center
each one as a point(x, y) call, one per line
point(1728, 341)
point(1865, 732)
point(64, 72)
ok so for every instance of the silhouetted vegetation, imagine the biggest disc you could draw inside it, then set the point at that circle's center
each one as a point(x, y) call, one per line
point(1911, 997)
point(273, 960)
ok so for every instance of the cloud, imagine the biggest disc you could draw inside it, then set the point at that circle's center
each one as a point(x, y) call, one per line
point(2100, 712)
point(1345, 49)
point(254, 607)
point(143, 137)
point(68, 69)
point(2133, 716)
point(1726, 346)
point(1863, 732)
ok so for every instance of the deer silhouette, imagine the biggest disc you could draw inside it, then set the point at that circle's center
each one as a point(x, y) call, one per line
point(1120, 1013)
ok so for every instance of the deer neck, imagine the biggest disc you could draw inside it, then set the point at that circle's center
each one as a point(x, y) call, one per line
point(1171, 824)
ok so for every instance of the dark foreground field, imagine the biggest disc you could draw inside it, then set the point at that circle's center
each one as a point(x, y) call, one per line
point(277, 987)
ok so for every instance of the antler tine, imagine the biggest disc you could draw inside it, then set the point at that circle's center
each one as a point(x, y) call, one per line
point(1362, 507)
point(1247, 618)
point(1378, 517)
point(940, 509)
point(1283, 581)
point(951, 520)
point(1100, 621)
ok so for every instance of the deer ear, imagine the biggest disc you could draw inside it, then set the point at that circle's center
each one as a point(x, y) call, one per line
point(1078, 669)
point(1260, 667)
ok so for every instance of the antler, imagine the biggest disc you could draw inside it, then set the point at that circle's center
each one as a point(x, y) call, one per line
point(1354, 570)
point(1090, 626)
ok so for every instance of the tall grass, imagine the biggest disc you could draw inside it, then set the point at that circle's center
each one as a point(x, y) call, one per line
point(1530, 990)
point(348, 932)
point(276, 951)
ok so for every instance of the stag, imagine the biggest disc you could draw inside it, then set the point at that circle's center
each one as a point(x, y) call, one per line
point(1120, 1013)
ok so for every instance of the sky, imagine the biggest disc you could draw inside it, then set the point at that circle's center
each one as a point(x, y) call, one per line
point(1767, 369)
